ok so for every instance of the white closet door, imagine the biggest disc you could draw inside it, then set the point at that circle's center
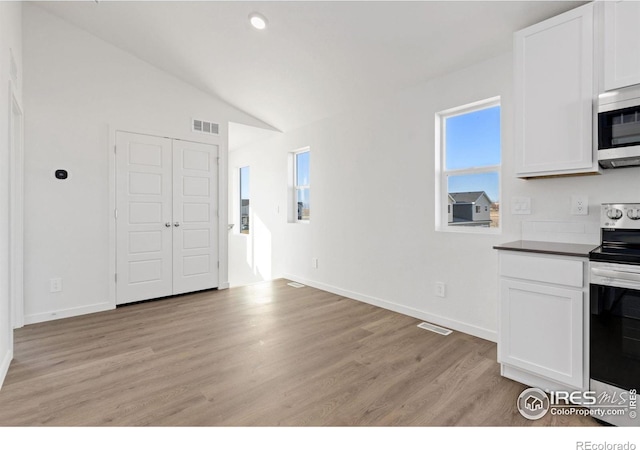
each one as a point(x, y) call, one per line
point(143, 226)
point(195, 250)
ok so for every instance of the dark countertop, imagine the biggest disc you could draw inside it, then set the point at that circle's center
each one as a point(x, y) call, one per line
point(549, 248)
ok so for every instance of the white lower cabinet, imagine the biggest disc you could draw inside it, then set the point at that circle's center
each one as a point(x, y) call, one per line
point(543, 328)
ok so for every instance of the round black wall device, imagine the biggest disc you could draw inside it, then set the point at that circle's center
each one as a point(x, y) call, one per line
point(62, 174)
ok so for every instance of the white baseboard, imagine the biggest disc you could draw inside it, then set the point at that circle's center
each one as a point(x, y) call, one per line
point(533, 380)
point(456, 325)
point(224, 285)
point(4, 366)
point(64, 313)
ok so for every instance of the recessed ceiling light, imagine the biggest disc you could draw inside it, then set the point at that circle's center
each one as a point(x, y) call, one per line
point(258, 21)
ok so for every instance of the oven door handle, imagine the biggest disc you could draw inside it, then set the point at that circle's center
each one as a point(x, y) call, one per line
point(616, 274)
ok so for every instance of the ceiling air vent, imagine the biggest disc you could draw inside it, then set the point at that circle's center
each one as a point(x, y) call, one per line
point(202, 126)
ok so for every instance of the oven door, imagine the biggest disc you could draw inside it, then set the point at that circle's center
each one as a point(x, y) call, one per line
point(615, 325)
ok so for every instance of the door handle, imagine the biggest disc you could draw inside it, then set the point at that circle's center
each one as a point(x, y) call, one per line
point(168, 224)
point(176, 224)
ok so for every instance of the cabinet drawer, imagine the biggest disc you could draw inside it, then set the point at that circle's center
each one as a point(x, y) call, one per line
point(546, 270)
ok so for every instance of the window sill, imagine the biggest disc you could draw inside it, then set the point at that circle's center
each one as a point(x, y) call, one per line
point(469, 230)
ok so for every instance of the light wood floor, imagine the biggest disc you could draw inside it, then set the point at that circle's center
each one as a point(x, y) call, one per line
point(260, 355)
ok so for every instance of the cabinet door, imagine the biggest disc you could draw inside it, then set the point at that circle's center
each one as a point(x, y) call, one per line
point(621, 44)
point(554, 91)
point(541, 330)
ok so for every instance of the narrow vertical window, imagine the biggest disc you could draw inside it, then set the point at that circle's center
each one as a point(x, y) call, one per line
point(244, 200)
point(302, 186)
point(468, 166)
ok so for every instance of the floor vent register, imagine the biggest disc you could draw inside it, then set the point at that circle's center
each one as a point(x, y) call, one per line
point(435, 328)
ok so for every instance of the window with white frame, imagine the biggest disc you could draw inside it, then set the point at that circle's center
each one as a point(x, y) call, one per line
point(301, 185)
point(244, 200)
point(468, 167)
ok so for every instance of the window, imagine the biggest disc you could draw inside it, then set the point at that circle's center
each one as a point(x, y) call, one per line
point(244, 200)
point(301, 185)
point(468, 167)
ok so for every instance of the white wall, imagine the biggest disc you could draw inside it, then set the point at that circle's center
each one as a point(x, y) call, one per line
point(372, 197)
point(251, 256)
point(76, 87)
point(10, 40)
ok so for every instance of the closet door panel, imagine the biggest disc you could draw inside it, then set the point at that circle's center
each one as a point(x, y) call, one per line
point(144, 254)
point(195, 252)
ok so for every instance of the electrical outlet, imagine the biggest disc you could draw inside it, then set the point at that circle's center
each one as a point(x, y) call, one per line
point(55, 285)
point(579, 205)
point(441, 289)
point(314, 263)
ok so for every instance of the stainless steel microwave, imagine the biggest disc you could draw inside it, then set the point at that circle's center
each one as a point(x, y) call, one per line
point(619, 128)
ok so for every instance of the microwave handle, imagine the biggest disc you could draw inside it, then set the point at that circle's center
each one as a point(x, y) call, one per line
point(616, 274)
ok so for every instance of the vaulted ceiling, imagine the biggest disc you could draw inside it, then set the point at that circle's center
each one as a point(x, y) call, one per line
point(315, 58)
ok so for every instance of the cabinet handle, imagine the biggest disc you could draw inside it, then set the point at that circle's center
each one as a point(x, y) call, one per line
point(177, 224)
point(168, 224)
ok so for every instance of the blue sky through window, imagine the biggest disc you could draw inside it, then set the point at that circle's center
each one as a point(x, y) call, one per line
point(487, 182)
point(302, 169)
point(244, 183)
point(473, 139)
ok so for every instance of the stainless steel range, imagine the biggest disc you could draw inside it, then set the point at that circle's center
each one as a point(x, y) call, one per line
point(615, 313)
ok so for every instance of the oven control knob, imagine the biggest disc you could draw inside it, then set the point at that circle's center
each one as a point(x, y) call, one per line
point(633, 214)
point(614, 213)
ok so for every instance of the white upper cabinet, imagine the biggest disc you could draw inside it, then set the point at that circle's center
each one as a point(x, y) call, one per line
point(554, 92)
point(621, 43)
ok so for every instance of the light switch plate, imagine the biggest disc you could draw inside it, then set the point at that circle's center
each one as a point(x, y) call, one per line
point(521, 205)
